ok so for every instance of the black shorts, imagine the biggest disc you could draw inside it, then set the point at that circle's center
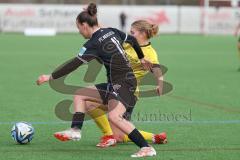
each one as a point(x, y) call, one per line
point(122, 91)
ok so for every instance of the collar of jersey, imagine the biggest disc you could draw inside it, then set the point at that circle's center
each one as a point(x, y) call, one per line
point(146, 45)
point(96, 32)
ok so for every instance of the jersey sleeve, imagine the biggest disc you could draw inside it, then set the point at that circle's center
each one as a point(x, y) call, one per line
point(131, 40)
point(121, 34)
point(154, 58)
point(151, 55)
point(66, 68)
point(88, 52)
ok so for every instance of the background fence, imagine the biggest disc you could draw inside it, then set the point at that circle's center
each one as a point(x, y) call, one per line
point(171, 19)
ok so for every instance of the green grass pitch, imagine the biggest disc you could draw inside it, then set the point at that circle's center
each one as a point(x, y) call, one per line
point(201, 115)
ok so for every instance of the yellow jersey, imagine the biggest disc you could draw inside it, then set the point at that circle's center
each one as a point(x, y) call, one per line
point(149, 54)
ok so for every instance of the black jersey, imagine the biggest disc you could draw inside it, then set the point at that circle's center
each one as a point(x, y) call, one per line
point(105, 45)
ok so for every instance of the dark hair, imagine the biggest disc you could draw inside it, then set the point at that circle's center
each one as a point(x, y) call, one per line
point(89, 15)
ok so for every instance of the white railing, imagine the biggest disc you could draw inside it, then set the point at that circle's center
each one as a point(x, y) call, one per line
point(171, 19)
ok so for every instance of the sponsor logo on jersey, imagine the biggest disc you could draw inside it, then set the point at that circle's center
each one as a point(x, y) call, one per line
point(82, 51)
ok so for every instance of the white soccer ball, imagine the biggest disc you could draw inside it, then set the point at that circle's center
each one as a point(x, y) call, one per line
point(22, 132)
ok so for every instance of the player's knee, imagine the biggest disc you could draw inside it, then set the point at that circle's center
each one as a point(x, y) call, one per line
point(79, 97)
point(113, 117)
point(90, 105)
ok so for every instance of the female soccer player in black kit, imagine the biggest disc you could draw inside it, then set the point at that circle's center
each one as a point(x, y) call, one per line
point(105, 45)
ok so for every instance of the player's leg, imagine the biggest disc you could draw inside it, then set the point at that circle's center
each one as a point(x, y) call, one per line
point(154, 138)
point(118, 134)
point(160, 138)
point(115, 115)
point(82, 95)
point(102, 121)
point(98, 114)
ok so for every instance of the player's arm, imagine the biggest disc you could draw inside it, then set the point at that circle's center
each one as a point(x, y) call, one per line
point(133, 42)
point(84, 56)
point(65, 69)
point(147, 65)
point(156, 70)
point(62, 71)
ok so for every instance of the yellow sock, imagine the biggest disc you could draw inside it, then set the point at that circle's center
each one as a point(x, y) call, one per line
point(100, 118)
point(146, 135)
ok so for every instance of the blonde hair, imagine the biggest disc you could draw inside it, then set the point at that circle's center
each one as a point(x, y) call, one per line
point(151, 30)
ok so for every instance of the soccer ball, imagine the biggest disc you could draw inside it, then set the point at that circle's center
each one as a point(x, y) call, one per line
point(22, 132)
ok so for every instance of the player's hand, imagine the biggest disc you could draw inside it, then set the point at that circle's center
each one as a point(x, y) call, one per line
point(159, 90)
point(43, 78)
point(147, 65)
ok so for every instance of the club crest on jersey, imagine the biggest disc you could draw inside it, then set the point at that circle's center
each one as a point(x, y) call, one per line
point(82, 51)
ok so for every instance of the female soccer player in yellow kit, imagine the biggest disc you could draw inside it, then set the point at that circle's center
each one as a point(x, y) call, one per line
point(142, 31)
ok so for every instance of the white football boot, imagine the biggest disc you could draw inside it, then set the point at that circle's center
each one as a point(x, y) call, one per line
point(69, 134)
point(145, 152)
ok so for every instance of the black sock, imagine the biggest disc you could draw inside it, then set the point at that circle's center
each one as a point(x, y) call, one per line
point(138, 139)
point(77, 120)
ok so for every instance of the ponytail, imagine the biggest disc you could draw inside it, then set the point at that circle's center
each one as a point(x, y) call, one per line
point(89, 15)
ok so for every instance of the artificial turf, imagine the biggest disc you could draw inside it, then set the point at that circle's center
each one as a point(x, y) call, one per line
point(200, 115)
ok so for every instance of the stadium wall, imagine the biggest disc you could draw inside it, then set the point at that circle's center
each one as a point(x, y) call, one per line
point(171, 19)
